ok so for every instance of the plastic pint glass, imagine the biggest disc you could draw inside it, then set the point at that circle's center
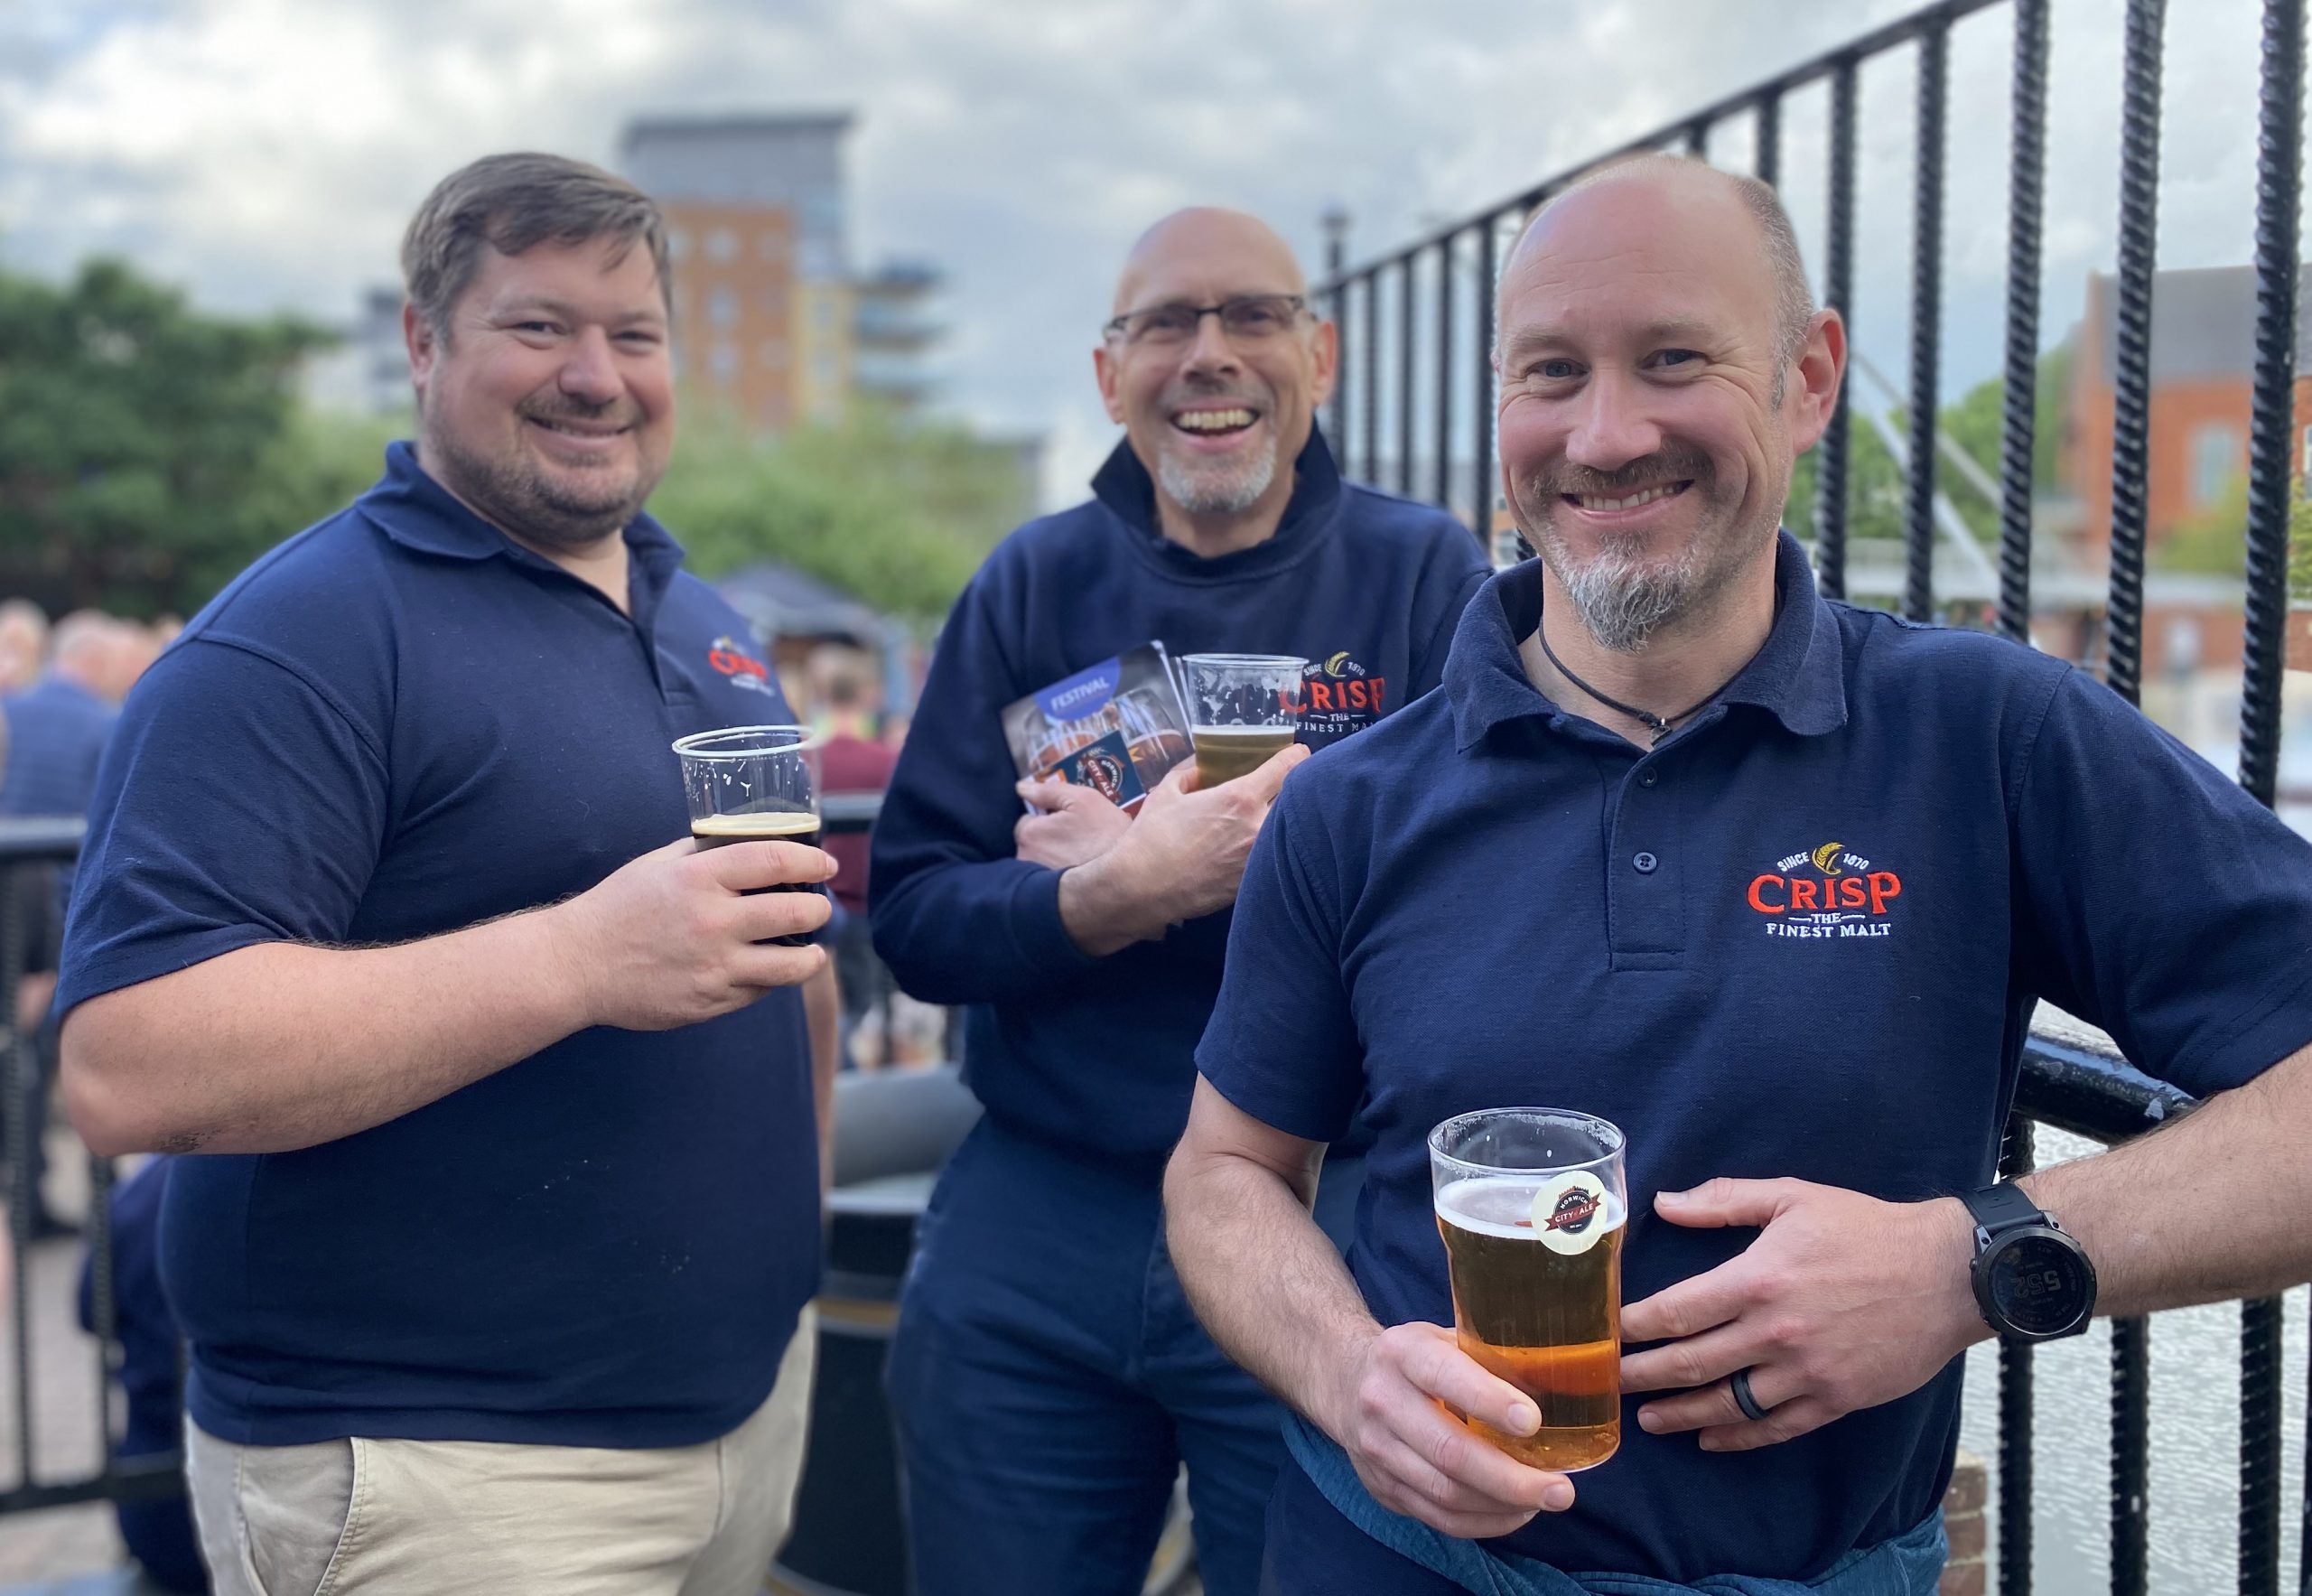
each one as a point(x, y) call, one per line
point(1531, 1207)
point(1244, 710)
point(754, 784)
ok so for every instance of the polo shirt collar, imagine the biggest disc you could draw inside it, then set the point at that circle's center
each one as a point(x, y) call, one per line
point(1798, 675)
point(1123, 486)
point(414, 509)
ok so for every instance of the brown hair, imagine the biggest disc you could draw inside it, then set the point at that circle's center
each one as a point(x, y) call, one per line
point(511, 203)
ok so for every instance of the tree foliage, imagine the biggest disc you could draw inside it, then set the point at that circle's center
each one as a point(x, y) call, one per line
point(898, 515)
point(140, 440)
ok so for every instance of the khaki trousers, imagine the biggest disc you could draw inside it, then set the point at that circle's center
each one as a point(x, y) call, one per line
point(485, 1518)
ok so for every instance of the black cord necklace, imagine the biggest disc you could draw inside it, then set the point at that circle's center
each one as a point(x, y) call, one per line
point(1660, 725)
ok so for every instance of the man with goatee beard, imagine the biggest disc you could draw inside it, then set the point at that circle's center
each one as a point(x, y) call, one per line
point(1048, 1379)
point(505, 1120)
point(1772, 883)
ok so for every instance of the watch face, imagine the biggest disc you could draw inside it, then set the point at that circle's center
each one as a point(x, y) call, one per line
point(2039, 1285)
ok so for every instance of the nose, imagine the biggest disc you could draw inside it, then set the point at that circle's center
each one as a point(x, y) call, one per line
point(1210, 351)
point(1612, 426)
point(591, 373)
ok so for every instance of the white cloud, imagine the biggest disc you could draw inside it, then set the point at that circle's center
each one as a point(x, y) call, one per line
point(268, 152)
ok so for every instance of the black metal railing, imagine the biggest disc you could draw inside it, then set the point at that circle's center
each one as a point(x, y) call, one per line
point(2063, 1084)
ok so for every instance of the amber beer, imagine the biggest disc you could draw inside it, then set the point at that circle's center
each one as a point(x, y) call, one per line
point(1548, 1324)
point(1531, 1208)
point(1223, 753)
point(750, 784)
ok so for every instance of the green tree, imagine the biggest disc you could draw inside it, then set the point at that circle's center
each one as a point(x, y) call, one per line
point(141, 442)
point(898, 515)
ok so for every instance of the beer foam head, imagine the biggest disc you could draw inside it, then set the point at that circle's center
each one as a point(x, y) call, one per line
point(759, 824)
point(1506, 1205)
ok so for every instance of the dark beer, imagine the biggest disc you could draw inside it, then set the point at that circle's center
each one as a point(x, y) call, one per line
point(1223, 753)
point(763, 826)
point(1546, 1321)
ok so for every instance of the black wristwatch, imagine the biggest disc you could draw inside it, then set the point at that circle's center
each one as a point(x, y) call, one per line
point(2032, 1282)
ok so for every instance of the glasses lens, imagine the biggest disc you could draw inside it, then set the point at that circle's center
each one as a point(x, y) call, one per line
point(1166, 323)
point(1264, 316)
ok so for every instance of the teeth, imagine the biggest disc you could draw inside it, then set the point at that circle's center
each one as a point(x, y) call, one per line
point(1212, 421)
point(1598, 502)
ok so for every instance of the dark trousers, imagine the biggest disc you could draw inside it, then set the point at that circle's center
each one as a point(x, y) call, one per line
point(1314, 1551)
point(1049, 1380)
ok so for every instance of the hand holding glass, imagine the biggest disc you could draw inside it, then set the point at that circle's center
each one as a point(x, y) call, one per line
point(754, 784)
point(1244, 709)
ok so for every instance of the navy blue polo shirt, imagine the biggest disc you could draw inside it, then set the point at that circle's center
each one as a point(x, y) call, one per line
point(1803, 937)
point(1097, 1057)
point(395, 725)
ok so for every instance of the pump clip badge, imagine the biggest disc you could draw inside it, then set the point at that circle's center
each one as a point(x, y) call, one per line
point(1570, 1213)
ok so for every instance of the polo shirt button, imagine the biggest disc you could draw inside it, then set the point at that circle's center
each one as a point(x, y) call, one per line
point(1649, 778)
point(1646, 863)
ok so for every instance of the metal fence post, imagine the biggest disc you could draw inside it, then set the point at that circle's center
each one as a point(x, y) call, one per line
point(1926, 318)
point(2019, 420)
point(1838, 294)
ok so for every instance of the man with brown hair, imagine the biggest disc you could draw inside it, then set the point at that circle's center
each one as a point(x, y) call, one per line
point(507, 1201)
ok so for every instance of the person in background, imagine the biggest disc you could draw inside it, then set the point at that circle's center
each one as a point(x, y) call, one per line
point(1088, 947)
point(23, 644)
point(846, 695)
point(57, 730)
point(159, 1532)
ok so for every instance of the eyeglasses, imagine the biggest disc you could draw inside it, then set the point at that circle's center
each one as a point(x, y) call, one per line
point(1248, 319)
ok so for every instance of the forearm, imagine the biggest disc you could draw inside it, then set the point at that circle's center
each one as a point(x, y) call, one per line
point(1263, 1279)
point(1107, 905)
point(281, 1046)
point(2210, 1208)
point(822, 1013)
point(980, 931)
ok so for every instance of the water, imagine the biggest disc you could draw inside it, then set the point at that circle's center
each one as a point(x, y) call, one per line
point(2195, 1445)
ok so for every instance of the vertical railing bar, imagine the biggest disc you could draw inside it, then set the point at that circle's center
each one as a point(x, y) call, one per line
point(1336, 223)
point(1838, 294)
point(1770, 157)
point(23, 1195)
point(1444, 472)
point(2019, 428)
point(1406, 375)
point(2017, 1425)
point(1926, 318)
point(1481, 488)
point(104, 1318)
point(2279, 135)
point(2130, 1456)
point(1369, 457)
point(1697, 140)
point(2131, 376)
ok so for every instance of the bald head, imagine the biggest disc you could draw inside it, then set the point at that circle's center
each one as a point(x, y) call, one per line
point(1208, 240)
point(1692, 192)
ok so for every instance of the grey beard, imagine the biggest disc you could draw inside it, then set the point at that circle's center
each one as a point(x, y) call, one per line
point(1621, 606)
point(1199, 494)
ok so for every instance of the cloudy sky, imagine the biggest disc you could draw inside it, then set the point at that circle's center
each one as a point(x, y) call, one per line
point(267, 153)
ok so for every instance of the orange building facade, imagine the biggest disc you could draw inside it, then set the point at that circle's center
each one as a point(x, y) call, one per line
point(735, 291)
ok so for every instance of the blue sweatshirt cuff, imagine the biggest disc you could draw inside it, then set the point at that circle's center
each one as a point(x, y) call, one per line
point(1038, 930)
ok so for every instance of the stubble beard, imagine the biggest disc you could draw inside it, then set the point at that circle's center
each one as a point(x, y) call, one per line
point(517, 494)
point(1216, 489)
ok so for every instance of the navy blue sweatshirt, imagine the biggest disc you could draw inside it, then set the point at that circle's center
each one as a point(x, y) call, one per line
point(1097, 1056)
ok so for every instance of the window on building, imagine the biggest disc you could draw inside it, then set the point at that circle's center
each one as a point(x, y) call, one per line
point(722, 307)
point(677, 244)
point(2215, 462)
point(722, 360)
point(722, 243)
point(825, 313)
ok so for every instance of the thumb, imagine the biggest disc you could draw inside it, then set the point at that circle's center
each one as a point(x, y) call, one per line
point(1050, 792)
point(1724, 1201)
point(1268, 779)
point(1179, 779)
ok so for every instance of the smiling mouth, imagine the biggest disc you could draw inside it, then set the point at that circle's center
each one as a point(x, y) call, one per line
point(1605, 503)
point(1215, 424)
point(567, 429)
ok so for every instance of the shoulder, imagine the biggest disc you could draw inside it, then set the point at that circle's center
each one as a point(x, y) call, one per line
point(1372, 516)
point(1080, 532)
point(306, 590)
point(1359, 777)
point(1888, 654)
point(698, 604)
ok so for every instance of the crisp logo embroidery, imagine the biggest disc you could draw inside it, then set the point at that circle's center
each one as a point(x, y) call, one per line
point(1825, 890)
point(743, 668)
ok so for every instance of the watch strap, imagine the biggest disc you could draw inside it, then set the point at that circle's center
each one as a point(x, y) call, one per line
point(2003, 1206)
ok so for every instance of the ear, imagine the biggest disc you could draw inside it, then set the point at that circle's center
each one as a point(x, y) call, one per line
point(1103, 368)
point(418, 336)
point(1819, 367)
point(1327, 369)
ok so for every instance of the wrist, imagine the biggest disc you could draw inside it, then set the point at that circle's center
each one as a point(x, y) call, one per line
point(1332, 1406)
point(552, 942)
point(1110, 902)
point(1948, 1239)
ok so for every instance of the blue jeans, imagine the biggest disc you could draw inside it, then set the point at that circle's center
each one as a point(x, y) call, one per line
point(1048, 1380)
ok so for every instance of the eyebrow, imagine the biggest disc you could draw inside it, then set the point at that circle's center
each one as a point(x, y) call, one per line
point(1529, 340)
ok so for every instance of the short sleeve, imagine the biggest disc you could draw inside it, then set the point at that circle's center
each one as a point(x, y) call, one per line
point(237, 804)
point(2157, 898)
point(1281, 1045)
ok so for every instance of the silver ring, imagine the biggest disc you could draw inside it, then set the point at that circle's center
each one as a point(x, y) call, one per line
point(1740, 1383)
